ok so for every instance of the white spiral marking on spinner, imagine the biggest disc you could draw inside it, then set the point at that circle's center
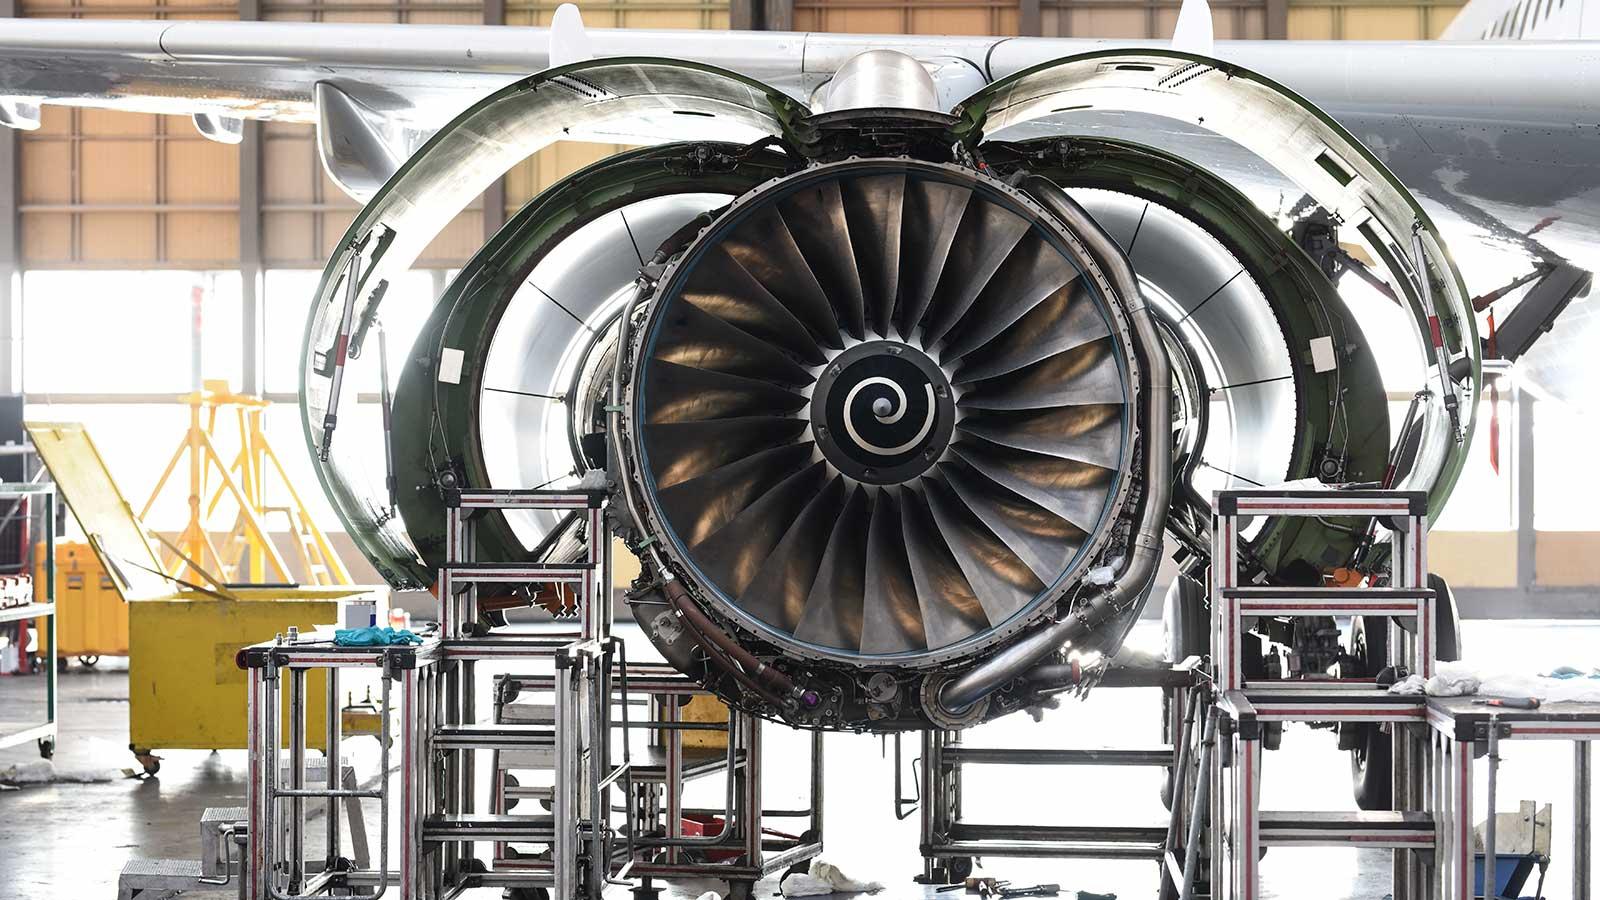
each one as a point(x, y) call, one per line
point(893, 417)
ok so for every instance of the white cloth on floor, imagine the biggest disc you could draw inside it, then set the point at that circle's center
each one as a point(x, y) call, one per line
point(825, 878)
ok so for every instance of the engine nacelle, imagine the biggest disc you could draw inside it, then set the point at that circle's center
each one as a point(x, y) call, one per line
point(899, 407)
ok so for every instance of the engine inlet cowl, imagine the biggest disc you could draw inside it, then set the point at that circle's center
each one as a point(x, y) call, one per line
point(880, 418)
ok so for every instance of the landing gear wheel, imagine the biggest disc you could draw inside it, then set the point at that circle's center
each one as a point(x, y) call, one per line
point(47, 747)
point(957, 868)
point(1447, 646)
point(1371, 767)
point(89, 661)
point(1371, 759)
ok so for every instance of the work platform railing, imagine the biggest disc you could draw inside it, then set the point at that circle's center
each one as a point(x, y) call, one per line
point(1248, 709)
point(598, 819)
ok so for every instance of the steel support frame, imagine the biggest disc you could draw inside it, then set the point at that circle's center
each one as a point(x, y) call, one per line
point(1452, 794)
point(274, 865)
point(1236, 782)
point(944, 836)
point(743, 814)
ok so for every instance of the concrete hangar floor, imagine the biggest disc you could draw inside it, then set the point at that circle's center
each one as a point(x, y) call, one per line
point(69, 838)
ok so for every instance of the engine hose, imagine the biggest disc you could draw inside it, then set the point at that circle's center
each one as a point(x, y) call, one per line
point(1144, 556)
point(765, 679)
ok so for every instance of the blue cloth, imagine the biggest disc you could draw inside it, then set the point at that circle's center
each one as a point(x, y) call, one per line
point(1566, 673)
point(373, 636)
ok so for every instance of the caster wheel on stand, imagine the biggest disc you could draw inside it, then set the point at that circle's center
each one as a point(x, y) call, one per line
point(47, 747)
point(149, 761)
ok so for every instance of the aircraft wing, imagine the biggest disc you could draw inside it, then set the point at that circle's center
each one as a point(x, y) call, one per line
point(1501, 139)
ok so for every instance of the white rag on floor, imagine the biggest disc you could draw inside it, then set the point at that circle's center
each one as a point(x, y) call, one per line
point(825, 878)
point(1454, 679)
point(43, 771)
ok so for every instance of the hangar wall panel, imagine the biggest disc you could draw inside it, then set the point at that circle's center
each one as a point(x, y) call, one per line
point(1365, 20)
point(113, 190)
point(908, 16)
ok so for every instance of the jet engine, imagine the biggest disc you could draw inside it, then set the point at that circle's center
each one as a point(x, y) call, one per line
point(899, 408)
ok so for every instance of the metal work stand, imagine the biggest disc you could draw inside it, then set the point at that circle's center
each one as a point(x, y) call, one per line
point(733, 845)
point(1242, 829)
point(36, 609)
point(1457, 725)
point(275, 863)
point(569, 837)
point(949, 843)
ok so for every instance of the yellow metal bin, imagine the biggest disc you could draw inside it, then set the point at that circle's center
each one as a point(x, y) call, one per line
point(184, 689)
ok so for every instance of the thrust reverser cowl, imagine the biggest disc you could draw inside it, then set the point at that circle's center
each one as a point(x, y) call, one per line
point(888, 392)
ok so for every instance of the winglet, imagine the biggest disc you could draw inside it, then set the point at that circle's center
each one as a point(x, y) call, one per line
point(1193, 31)
point(569, 43)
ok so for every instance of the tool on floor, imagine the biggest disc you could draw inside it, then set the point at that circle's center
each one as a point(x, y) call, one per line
point(1037, 890)
point(981, 885)
point(1086, 895)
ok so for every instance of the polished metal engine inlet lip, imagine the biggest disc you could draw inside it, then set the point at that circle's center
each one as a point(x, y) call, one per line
point(660, 534)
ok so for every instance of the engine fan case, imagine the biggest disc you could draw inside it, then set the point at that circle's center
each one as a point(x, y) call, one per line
point(753, 458)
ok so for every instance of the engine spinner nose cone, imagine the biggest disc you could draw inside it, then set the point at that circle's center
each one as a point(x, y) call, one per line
point(882, 412)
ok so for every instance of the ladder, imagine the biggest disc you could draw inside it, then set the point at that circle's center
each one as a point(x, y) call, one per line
point(1246, 709)
point(575, 744)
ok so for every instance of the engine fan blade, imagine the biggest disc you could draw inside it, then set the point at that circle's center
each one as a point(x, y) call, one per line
point(988, 235)
point(1073, 490)
point(932, 215)
point(722, 287)
point(1039, 537)
point(700, 506)
point(951, 610)
point(778, 594)
point(733, 555)
point(816, 218)
point(1029, 276)
point(1081, 376)
point(765, 247)
point(874, 206)
point(684, 450)
point(891, 614)
point(689, 336)
point(675, 393)
point(833, 613)
point(1002, 582)
point(1091, 434)
point(1063, 321)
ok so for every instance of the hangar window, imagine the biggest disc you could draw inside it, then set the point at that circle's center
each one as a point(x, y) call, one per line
point(1483, 499)
point(78, 323)
point(1564, 495)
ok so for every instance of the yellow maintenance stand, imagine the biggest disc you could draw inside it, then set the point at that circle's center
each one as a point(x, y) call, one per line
point(184, 689)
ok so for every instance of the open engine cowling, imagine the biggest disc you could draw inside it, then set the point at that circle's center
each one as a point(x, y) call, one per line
point(896, 412)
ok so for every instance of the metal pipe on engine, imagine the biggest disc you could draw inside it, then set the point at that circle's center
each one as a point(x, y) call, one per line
point(1139, 569)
